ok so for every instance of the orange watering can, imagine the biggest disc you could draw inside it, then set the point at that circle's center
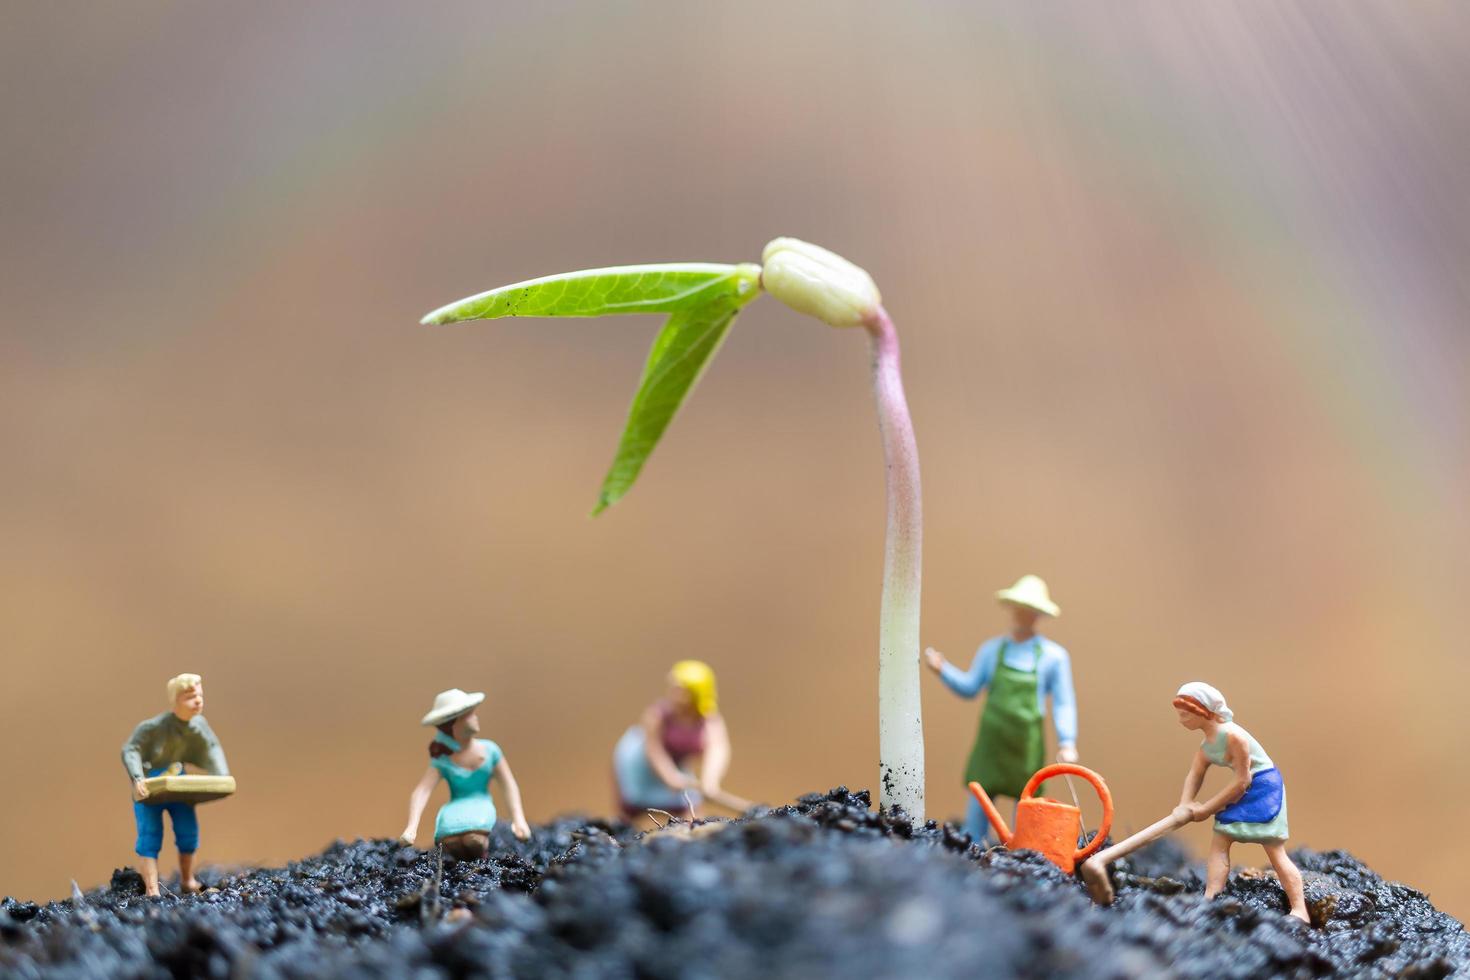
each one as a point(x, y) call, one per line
point(1050, 826)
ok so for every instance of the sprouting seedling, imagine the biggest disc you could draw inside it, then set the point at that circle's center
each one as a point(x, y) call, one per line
point(702, 300)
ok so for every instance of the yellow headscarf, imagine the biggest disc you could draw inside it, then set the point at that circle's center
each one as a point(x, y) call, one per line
point(696, 677)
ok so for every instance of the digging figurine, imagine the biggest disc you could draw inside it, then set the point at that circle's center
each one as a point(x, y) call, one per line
point(1251, 809)
point(653, 763)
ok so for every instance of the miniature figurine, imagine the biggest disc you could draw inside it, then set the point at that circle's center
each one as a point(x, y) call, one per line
point(161, 745)
point(1020, 669)
point(467, 764)
point(1251, 809)
point(653, 761)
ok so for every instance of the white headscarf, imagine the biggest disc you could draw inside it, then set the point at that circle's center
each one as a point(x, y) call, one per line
point(1208, 696)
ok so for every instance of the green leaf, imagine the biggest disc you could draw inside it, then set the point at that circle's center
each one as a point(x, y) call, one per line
point(703, 299)
point(676, 361)
point(596, 292)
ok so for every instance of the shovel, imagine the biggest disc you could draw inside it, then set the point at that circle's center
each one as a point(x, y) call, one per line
point(729, 801)
point(1095, 868)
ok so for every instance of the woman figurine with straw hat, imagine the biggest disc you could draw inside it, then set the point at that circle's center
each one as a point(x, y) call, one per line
point(1252, 808)
point(467, 764)
point(1020, 669)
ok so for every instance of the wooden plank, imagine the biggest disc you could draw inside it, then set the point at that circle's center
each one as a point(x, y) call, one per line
point(186, 789)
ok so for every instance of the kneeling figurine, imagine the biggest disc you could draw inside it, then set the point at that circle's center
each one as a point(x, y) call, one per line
point(467, 764)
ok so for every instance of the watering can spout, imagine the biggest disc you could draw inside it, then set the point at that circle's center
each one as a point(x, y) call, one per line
point(991, 813)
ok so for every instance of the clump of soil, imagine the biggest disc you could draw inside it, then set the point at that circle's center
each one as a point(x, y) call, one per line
point(821, 887)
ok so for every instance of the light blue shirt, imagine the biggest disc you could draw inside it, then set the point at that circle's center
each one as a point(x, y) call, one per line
point(1054, 677)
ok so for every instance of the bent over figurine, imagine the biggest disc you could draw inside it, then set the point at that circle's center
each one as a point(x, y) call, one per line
point(654, 762)
point(1252, 808)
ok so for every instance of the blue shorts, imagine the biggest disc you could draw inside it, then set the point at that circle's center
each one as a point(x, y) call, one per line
point(149, 817)
point(150, 827)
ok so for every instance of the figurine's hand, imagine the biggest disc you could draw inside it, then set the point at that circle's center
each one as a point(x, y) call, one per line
point(141, 788)
point(1198, 812)
point(521, 829)
point(1067, 753)
point(1182, 813)
point(933, 659)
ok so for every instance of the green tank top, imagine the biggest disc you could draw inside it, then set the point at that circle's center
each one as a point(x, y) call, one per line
point(1214, 749)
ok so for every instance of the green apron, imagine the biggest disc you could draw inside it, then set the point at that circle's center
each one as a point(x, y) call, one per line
point(1011, 744)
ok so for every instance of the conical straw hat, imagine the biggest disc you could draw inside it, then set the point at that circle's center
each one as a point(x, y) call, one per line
point(1030, 591)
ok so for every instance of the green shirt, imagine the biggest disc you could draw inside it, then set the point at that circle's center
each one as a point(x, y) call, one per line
point(162, 741)
point(1215, 749)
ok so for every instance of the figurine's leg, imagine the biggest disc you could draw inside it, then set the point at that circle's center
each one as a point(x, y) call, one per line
point(1217, 866)
point(150, 840)
point(469, 846)
point(976, 823)
point(188, 883)
point(1291, 879)
point(149, 871)
point(186, 836)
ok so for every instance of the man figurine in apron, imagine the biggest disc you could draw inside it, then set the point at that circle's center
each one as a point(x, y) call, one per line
point(1020, 669)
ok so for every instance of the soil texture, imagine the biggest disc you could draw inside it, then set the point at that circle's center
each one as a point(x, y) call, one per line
point(822, 887)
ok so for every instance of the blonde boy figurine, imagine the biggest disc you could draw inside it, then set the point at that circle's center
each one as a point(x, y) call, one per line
point(165, 742)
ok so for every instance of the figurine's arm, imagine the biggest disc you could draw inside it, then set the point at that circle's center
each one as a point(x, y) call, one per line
point(132, 756)
point(1238, 752)
point(1194, 779)
point(716, 764)
point(1063, 706)
point(716, 755)
point(658, 756)
point(518, 825)
point(969, 683)
point(207, 753)
point(417, 800)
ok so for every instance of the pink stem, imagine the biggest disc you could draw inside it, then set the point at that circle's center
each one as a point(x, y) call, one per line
point(900, 718)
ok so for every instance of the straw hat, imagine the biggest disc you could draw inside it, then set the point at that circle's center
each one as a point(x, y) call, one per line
point(451, 704)
point(1030, 591)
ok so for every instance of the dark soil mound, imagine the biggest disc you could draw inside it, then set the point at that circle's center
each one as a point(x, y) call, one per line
point(823, 887)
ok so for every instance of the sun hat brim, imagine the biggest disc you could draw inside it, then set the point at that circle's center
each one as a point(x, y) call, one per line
point(443, 713)
point(1030, 602)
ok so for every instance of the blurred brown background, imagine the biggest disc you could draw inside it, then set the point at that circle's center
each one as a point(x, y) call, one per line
point(1183, 294)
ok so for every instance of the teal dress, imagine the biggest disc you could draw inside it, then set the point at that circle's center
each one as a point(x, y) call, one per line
point(470, 807)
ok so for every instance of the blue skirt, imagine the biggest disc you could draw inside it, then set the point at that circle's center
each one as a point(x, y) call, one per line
point(1260, 815)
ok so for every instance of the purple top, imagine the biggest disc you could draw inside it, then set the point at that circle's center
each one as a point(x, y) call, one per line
point(681, 738)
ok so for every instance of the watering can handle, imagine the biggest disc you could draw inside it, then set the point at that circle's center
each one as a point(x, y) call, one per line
point(1098, 784)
